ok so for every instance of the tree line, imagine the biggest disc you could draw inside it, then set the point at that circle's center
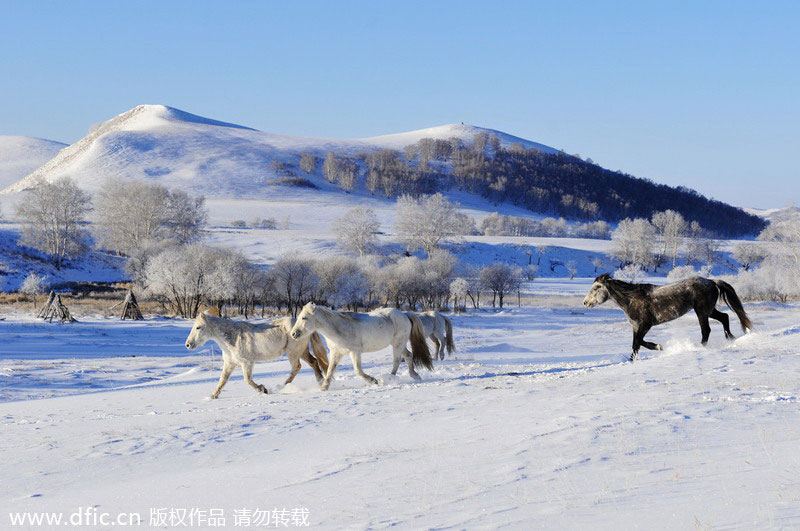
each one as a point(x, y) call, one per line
point(550, 183)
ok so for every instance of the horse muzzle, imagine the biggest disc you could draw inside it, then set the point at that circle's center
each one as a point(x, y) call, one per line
point(190, 345)
point(295, 334)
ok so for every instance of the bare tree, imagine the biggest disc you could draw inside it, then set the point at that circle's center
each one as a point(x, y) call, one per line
point(357, 229)
point(572, 268)
point(52, 215)
point(500, 279)
point(425, 222)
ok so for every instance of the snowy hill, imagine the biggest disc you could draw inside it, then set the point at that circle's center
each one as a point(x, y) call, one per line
point(20, 155)
point(776, 214)
point(205, 156)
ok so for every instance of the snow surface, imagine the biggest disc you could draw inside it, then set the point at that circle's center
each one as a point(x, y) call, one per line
point(535, 422)
point(20, 155)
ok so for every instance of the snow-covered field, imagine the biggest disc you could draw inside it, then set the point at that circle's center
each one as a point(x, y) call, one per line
point(536, 422)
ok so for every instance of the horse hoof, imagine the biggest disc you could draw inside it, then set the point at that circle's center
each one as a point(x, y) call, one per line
point(659, 347)
point(416, 377)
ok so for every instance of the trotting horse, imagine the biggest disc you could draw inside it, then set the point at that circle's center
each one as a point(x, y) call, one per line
point(354, 333)
point(647, 305)
point(245, 343)
point(439, 329)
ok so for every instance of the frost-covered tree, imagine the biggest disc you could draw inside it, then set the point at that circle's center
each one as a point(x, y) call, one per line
point(348, 174)
point(132, 214)
point(341, 282)
point(671, 229)
point(630, 273)
point(682, 272)
point(704, 251)
point(330, 167)
point(308, 162)
point(52, 215)
point(186, 276)
point(33, 285)
point(785, 236)
point(181, 277)
point(458, 294)
point(632, 242)
point(295, 281)
point(500, 279)
point(427, 221)
point(357, 230)
point(749, 254)
point(439, 268)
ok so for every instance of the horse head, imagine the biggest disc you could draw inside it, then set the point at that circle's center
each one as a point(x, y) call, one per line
point(598, 293)
point(197, 336)
point(306, 322)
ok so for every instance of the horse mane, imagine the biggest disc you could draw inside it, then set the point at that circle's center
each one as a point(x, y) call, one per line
point(621, 287)
point(350, 316)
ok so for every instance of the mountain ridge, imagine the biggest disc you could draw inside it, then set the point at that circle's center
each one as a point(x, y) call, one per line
point(208, 148)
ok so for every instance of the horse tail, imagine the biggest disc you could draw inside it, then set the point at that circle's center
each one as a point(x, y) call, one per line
point(451, 346)
point(320, 352)
point(420, 354)
point(732, 300)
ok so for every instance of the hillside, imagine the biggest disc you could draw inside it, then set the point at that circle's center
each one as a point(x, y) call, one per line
point(220, 160)
point(20, 155)
point(204, 156)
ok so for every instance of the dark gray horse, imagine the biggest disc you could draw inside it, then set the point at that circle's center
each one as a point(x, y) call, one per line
point(647, 305)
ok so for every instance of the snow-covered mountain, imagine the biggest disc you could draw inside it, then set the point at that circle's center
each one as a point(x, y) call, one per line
point(20, 155)
point(217, 159)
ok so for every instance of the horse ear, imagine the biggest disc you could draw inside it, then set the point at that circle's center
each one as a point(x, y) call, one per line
point(603, 277)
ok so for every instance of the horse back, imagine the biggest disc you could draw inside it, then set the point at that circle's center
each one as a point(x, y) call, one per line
point(678, 298)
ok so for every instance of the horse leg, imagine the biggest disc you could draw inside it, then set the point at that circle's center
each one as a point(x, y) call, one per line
point(705, 328)
point(312, 362)
point(722, 317)
point(294, 360)
point(336, 355)
point(638, 339)
point(356, 357)
point(247, 371)
point(439, 346)
point(409, 361)
point(227, 368)
point(396, 357)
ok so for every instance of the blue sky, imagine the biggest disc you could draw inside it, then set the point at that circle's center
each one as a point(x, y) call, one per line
point(701, 94)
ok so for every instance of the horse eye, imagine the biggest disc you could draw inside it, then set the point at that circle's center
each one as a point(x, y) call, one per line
point(199, 327)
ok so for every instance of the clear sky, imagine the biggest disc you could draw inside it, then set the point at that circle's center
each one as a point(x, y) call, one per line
point(703, 94)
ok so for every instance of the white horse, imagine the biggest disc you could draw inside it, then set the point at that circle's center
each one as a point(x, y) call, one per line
point(354, 333)
point(439, 329)
point(245, 343)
